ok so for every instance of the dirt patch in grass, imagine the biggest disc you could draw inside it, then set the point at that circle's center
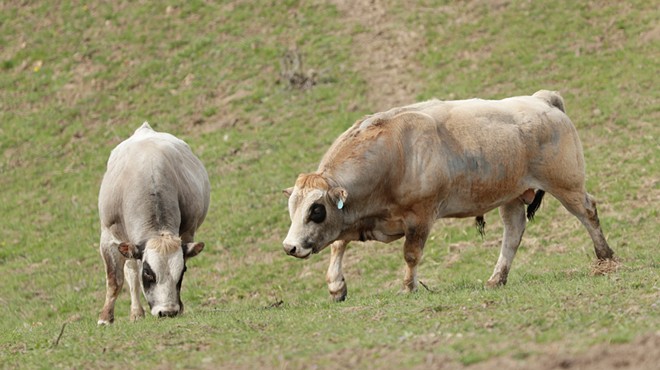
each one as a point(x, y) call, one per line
point(643, 353)
point(604, 267)
point(385, 52)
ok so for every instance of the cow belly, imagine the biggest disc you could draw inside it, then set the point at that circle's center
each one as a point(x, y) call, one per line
point(386, 238)
point(385, 231)
point(471, 204)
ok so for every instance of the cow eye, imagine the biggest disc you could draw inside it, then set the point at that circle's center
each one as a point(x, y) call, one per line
point(317, 213)
point(148, 274)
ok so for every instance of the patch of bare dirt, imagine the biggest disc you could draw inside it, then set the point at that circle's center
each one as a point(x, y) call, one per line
point(604, 267)
point(386, 52)
point(642, 354)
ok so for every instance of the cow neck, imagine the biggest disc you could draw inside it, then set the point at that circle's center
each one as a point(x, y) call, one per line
point(356, 211)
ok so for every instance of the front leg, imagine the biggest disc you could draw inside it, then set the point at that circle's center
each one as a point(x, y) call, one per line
point(413, 249)
point(114, 273)
point(132, 272)
point(335, 277)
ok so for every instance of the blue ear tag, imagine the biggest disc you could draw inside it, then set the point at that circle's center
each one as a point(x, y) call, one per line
point(340, 204)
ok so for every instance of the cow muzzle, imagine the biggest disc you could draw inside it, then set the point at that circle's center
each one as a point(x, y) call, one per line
point(170, 310)
point(297, 250)
point(170, 313)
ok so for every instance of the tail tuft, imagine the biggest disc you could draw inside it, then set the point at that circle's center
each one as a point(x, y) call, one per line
point(534, 206)
point(481, 225)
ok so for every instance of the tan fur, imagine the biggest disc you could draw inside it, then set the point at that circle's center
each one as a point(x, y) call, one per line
point(164, 243)
point(400, 170)
point(312, 181)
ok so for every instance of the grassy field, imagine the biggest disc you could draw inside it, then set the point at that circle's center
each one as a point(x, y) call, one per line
point(77, 78)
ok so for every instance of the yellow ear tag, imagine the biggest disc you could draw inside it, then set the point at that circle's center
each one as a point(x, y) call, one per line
point(340, 204)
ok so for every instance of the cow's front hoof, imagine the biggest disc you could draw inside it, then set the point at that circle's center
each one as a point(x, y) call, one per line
point(338, 290)
point(106, 319)
point(409, 286)
point(137, 314)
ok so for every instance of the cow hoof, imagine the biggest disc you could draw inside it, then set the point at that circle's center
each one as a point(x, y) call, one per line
point(495, 282)
point(338, 291)
point(498, 278)
point(137, 314)
point(106, 319)
point(407, 291)
point(409, 287)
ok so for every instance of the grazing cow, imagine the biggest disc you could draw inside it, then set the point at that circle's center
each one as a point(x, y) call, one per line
point(154, 196)
point(392, 174)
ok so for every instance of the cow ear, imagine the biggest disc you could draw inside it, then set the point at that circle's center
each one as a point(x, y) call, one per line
point(338, 196)
point(190, 250)
point(129, 250)
point(287, 192)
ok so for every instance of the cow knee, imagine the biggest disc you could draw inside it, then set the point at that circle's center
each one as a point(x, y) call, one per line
point(411, 257)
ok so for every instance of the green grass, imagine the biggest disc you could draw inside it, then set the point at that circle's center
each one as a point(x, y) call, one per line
point(76, 79)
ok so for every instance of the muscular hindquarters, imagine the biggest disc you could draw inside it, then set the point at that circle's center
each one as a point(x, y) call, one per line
point(559, 164)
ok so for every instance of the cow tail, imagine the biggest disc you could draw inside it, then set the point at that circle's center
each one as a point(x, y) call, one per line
point(481, 225)
point(534, 206)
point(557, 101)
point(551, 97)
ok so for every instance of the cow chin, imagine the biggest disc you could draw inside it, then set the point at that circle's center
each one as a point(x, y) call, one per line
point(304, 253)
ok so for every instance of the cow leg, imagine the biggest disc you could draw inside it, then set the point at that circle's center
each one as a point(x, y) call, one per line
point(583, 206)
point(513, 217)
point(114, 277)
point(413, 249)
point(335, 277)
point(132, 272)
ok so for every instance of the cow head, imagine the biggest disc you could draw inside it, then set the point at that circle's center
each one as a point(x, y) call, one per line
point(316, 211)
point(163, 265)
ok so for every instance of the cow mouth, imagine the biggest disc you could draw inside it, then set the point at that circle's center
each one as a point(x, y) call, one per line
point(307, 252)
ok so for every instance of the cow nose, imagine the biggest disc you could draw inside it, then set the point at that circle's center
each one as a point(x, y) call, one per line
point(168, 313)
point(290, 249)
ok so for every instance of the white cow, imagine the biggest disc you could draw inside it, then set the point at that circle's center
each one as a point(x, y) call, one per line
point(154, 196)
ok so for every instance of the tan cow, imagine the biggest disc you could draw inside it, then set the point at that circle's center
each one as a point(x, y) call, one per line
point(394, 173)
point(154, 195)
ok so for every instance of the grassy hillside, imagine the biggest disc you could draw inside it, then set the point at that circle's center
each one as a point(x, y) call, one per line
point(77, 78)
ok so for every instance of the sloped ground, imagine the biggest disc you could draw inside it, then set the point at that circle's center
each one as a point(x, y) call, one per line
point(643, 354)
point(79, 77)
point(386, 51)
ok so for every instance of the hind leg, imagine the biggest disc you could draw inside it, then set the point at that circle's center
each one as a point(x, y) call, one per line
point(583, 206)
point(513, 217)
